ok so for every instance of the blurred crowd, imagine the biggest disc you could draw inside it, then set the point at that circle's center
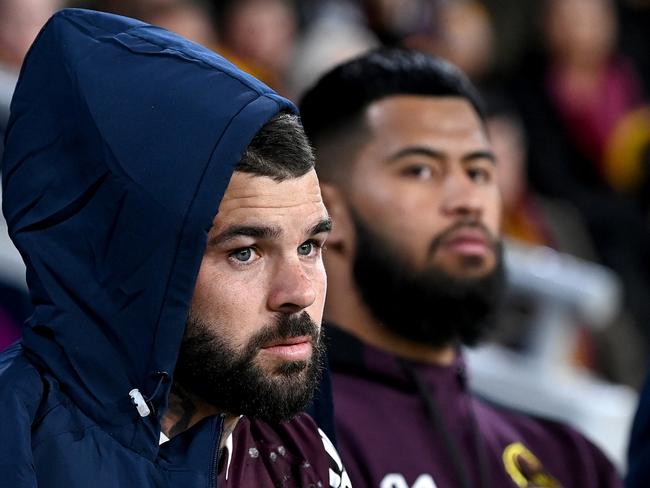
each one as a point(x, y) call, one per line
point(565, 84)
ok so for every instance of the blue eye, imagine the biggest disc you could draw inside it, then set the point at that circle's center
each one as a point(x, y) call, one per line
point(243, 255)
point(306, 248)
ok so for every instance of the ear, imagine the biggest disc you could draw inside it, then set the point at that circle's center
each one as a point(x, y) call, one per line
point(341, 239)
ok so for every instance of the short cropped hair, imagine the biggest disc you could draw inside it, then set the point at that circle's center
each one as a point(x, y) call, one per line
point(279, 150)
point(332, 110)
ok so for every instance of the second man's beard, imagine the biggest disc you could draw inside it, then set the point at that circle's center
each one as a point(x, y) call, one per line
point(429, 306)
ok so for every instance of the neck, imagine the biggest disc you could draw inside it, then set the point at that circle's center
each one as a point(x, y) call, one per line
point(186, 410)
point(346, 309)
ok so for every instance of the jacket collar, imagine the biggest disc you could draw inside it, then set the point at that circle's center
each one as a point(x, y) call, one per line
point(349, 355)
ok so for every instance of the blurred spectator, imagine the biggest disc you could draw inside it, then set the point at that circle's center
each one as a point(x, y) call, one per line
point(458, 30)
point(635, 34)
point(336, 33)
point(615, 353)
point(528, 217)
point(572, 101)
point(258, 36)
point(20, 22)
point(190, 19)
point(589, 84)
point(626, 165)
point(514, 29)
point(393, 21)
point(132, 8)
point(466, 37)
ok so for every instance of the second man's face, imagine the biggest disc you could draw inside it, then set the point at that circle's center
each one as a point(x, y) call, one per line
point(425, 182)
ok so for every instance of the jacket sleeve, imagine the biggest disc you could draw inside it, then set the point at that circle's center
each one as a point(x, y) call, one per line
point(639, 450)
point(20, 393)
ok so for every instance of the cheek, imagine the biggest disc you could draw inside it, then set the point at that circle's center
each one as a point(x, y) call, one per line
point(406, 215)
point(413, 217)
point(221, 302)
point(492, 212)
point(319, 282)
point(402, 206)
point(202, 288)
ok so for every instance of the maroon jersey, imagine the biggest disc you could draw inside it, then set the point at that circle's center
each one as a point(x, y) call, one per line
point(293, 454)
point(402, 424)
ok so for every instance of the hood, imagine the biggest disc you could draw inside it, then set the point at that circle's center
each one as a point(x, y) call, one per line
point(121, 142)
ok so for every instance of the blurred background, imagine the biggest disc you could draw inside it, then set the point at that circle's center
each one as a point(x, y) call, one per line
point(566, 86)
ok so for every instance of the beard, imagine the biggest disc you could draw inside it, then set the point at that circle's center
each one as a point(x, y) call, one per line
point(430, 306)
point(231, 380)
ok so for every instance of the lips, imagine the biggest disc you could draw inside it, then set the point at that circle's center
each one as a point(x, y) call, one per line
point(290, 349)
point(468, 241)
point(287, 341)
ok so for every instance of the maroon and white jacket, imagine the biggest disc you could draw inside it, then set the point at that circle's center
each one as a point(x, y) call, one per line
point(402, 424)
point(293, 454)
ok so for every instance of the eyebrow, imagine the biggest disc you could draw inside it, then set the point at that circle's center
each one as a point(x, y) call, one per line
point(265, 232)
point(435, 154)
point(256, 231)
point(489, 155)
point(325, 225)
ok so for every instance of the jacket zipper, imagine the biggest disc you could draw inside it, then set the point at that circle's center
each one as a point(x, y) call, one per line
point(216, 452)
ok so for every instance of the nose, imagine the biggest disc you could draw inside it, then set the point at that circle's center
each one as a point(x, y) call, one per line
point(292, 290)
point(461, 196)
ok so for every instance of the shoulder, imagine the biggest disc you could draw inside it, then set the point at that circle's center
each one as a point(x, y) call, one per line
point(20, 396)
point(21, 386)
point(501, 420)
point(557, 446)
point(34, 401)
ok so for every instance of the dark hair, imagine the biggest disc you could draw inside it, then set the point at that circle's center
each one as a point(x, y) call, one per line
point(332, 107)
point(279, 150)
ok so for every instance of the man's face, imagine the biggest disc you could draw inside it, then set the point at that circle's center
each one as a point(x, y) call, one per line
point(426, 213)
point(253, 335)
point(425, 182)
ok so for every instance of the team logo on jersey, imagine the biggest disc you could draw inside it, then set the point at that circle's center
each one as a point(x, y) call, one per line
point(525, 469)
point(397, 480)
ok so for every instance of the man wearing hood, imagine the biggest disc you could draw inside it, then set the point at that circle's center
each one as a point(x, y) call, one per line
point(415, 270)
point(169, 215)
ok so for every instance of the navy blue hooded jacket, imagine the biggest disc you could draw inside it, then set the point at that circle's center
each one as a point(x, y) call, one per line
point(638, 473)
point(121, 142)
